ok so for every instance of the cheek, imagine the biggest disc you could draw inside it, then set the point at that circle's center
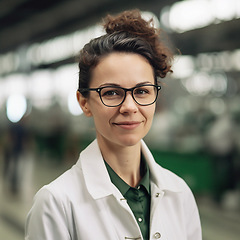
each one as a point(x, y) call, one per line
point(149, 118)
point(102, 116)
point(149, 112)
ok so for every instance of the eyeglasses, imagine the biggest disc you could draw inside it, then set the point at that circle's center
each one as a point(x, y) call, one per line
point(113, 96)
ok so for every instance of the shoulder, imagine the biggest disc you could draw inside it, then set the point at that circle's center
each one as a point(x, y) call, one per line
point(51, 208)
point(72, 184)
point(64, 188)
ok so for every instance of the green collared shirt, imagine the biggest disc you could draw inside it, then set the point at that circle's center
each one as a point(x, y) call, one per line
point(138, 198)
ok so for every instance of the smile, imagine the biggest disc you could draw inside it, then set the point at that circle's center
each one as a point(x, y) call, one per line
point(128, 125)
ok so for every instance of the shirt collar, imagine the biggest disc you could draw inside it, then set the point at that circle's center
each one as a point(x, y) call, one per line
point(145, 181)
point(122, 185)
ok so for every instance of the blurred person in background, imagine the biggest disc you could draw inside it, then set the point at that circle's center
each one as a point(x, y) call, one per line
point(14, 147)
point(116, 190)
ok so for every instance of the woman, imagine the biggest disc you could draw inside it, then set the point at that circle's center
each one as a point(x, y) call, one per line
point(116, 190)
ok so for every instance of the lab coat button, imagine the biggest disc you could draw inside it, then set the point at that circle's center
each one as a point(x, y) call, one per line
point(157, 235)
point(157, 194)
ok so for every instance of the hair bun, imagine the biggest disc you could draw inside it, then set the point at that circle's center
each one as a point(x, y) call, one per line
point(136, 26)
point(131, 22)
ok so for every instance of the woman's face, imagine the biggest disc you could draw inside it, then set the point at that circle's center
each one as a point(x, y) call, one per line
point(127, 124)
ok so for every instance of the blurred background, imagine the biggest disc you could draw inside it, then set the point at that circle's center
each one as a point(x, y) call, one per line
point(196, 130)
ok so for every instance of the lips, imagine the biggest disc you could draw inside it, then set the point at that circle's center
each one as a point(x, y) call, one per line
point(128, 124)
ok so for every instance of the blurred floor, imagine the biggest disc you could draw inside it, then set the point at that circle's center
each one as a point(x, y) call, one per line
point(218, 223)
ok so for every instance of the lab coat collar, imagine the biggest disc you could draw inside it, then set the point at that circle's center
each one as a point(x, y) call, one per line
point(97, 179)
point(159, 176)
point(95, 174)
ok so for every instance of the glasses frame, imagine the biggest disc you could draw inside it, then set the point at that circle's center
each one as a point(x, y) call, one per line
point(98, 90)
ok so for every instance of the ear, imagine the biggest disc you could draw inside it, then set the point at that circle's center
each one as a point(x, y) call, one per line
point(83, 102)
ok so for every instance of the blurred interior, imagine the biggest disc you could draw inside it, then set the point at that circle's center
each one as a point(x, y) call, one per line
point(196, 130)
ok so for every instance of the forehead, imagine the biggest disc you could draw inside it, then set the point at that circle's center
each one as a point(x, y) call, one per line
point(123, 69)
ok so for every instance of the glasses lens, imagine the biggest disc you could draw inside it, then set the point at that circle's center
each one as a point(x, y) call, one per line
point(112, 96)
point(145, 95)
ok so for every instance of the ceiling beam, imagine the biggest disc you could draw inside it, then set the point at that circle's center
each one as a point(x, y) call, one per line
point(64, 17)
point(216, 37)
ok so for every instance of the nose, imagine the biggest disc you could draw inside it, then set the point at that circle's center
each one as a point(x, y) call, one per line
point(129, 105)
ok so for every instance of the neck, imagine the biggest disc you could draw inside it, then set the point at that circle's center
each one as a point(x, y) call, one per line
point(125, 161)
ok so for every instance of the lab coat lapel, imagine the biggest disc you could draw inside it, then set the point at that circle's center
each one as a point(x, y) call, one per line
point(158, 175)
point(95, 173)
point(107, 196)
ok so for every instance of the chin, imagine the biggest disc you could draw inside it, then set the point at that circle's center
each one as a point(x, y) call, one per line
point(129, 141)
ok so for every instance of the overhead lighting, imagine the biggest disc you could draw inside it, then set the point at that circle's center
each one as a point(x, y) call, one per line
point(9, 62)
point(186, 15)
point(184, 66)
point(16, 107)
point(42, 89)
point(191, 14)
point(56, 49)
point(203, 83)
point(225, 61)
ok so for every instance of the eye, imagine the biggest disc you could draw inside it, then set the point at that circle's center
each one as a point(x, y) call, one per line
point(141, 91)
point(111, 92)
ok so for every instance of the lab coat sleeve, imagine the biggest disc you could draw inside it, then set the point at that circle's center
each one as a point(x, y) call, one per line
point(193, 227)
point(47, 218)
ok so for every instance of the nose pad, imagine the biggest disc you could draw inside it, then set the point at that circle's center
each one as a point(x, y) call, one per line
point(129, 104)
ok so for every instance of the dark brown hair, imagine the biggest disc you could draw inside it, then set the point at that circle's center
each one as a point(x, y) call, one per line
point(126, 32)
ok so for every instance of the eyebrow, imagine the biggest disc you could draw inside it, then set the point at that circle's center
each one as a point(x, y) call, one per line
point(118, 85)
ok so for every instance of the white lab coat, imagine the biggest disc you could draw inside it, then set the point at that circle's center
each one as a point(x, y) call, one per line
point(83, 204)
